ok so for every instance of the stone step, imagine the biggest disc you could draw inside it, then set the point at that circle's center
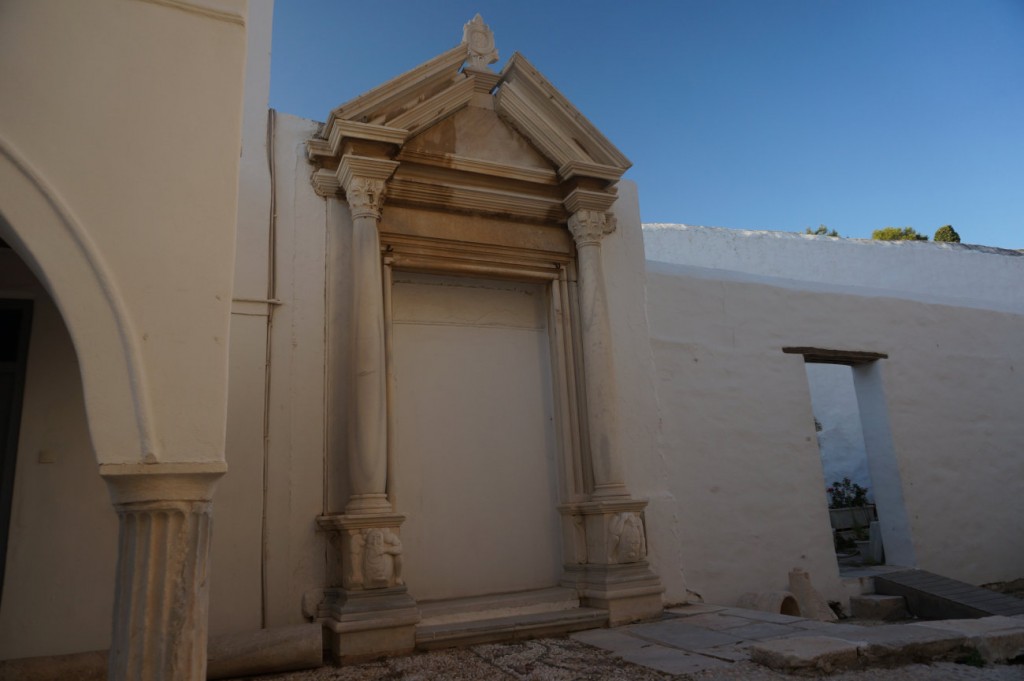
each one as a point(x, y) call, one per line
point(937, 597)
point(879, 607)
point(509, 628)
point(494, 606)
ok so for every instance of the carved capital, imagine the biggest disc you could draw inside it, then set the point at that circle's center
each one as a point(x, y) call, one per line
point(365, 196)
point(364, 180)
point(588, 226)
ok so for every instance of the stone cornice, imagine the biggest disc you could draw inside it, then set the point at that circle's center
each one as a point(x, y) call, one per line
point(432, 110)
point(430, 74)
point(547, 118)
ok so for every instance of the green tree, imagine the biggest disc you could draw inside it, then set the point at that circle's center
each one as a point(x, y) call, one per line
point(897, 234)
point(948, 234)
point(822, 231)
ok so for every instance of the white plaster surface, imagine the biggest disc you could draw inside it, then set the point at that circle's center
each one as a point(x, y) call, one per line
point(63, 531)
point(960, 274)
point(736, 409)
point(475, 440)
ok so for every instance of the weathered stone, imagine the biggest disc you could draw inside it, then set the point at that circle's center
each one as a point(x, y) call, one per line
point(812, 604)
point(806, 653)
point(997, 638)
point(879, 607)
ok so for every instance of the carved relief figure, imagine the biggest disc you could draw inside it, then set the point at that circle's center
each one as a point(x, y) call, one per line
point(382, 558)
point(628, 543)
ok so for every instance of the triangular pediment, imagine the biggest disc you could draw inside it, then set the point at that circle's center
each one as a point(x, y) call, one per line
point(455, 114)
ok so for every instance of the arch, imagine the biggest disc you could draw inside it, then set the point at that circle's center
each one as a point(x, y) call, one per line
point(55, 246)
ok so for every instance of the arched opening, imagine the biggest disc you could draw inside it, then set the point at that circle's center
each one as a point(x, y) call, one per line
point(59, 531)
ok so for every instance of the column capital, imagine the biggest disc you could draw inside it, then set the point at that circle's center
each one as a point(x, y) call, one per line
point(588, 226)
point(364, 180)
point(130, 483)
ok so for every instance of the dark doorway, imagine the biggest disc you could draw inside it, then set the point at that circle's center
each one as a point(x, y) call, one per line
point(15, 320)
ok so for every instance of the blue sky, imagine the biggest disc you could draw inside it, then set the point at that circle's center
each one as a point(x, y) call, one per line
point(752, 114)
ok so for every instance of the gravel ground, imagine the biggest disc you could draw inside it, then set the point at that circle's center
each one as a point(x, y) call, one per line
point(569, 660)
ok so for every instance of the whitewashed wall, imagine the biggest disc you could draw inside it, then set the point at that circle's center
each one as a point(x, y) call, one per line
point(736, 414)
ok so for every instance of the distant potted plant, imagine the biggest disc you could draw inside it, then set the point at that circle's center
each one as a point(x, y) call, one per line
point(848, 505)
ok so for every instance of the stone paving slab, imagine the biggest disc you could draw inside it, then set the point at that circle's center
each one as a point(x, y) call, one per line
point(806, 653)
point(613, 640)
point(717, 621)
point(672, 660)
point(676, 634)
point(759, 616)
point(757, 631)
point(996, 638)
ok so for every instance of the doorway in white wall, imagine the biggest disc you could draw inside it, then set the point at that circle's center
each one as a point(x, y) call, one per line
point(858, 458)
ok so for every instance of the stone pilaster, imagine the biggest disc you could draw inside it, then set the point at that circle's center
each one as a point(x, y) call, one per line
point(607, 561)
point(161, 594)
point(367, 612)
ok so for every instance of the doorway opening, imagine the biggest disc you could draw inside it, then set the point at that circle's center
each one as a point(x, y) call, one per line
point(864, 489)
point(15, 320)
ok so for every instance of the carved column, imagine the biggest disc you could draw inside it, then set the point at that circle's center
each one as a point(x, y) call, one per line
point(162, 589)
point(363, 180)
point(608, 559)
point(368, 611)
point(587, 228)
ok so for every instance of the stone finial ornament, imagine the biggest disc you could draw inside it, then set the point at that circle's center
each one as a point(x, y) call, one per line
point(480, 40)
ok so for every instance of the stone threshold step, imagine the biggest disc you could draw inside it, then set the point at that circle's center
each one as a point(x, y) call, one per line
point(492, 606)
point(509, 628)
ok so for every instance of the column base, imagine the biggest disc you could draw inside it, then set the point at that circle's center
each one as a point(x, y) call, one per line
point(607, 559)
point(366, 624)
point(630, 593)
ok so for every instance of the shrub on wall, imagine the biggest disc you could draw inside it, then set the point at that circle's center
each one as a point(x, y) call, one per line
point(897, 234)
point(948, 234)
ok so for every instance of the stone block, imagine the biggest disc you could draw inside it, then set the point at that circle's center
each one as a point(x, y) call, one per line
point(997, 638)
point(879, 607)
point(900, 644)
point(807, 653)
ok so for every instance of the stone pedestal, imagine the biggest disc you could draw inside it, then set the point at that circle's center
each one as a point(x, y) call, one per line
point(370, 613)
point(609, 561)
point(161, 594)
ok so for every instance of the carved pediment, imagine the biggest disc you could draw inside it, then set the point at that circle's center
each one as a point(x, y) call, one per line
point(471, 140)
